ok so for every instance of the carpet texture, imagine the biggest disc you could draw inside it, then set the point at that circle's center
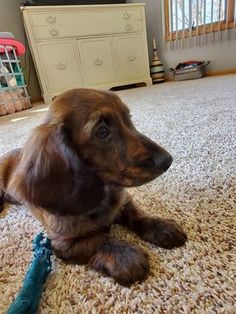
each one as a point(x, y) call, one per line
point(195, 121)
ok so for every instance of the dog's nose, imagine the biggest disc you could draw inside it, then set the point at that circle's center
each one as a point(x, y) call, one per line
point(159, 161)
point(163, 162)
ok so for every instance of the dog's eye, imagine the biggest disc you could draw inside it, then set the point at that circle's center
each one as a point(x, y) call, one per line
point(102, 131)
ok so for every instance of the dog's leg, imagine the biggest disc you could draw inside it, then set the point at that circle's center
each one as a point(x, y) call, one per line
point(124, 262)
point(163, 232)
point(118, 259)
point(78, 250)
point(8, 163)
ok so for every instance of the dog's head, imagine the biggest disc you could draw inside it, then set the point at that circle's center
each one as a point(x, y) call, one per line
point(86, 142)
point(101, 132)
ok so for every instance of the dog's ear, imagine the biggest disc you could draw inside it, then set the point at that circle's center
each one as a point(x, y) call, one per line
point(47, 166)
point(50, 174)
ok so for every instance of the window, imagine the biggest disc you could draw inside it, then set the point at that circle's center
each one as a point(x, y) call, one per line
point(184, 18)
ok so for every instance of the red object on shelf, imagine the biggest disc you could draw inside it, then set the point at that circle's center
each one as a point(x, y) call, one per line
point(20, 48)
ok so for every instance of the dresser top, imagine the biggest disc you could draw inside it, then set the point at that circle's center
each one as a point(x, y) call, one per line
point(81, 7)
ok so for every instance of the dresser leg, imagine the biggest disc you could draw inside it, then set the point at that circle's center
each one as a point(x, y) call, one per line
point(148, 82)
point(48, 97)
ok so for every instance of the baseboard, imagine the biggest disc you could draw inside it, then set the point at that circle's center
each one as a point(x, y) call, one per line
point(222, 72)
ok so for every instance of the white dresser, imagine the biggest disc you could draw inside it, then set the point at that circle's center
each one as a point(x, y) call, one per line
point(97, 46)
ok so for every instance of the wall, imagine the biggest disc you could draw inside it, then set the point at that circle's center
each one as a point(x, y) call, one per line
point(10, 20)
point(222, 55)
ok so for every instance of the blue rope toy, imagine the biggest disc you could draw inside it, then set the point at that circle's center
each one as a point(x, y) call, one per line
point(28, 298)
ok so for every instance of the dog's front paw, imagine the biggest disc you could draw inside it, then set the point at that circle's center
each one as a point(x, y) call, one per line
point(124, 262)
point(165, 233)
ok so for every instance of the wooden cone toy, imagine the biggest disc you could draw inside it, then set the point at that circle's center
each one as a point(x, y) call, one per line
point(156, 67)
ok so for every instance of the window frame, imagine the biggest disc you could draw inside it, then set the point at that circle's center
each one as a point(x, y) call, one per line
point(228, 23)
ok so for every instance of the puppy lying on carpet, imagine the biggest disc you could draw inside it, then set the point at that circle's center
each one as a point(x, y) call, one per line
point(72, 173)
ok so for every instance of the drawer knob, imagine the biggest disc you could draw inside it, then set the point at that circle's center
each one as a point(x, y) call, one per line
point(54, 32)
point(98, 61)
point(61, 65)
point(131, 58)
point(126, 16)
point(51, 19)
point(128, 27)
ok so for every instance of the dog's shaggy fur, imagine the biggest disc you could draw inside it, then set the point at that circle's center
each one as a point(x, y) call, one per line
point(72, 174)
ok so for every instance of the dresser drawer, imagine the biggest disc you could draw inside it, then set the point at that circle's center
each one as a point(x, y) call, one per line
point(130, 57)
point(85, 17)
point(85, 23)
point(60, 65)
point(46, 32)
point(97, 61)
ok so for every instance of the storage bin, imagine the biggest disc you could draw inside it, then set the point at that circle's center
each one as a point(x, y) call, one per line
point(13, 90)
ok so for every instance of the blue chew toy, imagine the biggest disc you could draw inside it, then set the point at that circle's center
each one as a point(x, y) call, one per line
point(28, 298)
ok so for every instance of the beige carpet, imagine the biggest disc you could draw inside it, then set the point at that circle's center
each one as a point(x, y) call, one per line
point(196, 122)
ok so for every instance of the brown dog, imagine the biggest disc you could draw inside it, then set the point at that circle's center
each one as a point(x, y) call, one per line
point(71, 174)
